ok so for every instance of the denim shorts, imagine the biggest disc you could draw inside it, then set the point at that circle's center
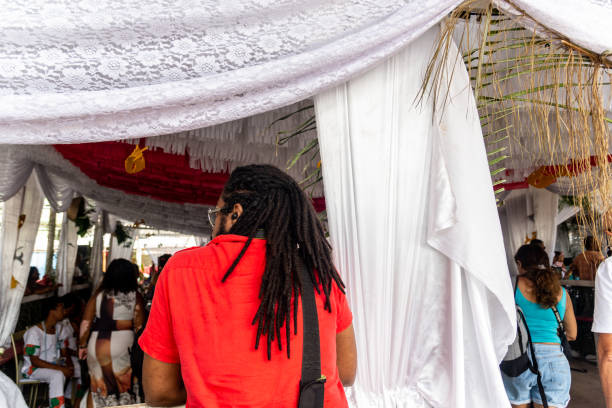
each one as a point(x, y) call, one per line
point(556, 379)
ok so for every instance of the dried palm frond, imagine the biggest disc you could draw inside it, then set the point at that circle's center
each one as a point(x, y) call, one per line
point(539, 98)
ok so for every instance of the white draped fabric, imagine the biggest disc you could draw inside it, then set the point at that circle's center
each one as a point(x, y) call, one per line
point(566, 213)
point(519, 224)
point(10, 394)
point(20, 222)
point(97, 250)
point(61, 180)
point(123, 250)
point(416, 236)
point(545, 209)
point(585, 22)
point(108, 69)
point(66, 255)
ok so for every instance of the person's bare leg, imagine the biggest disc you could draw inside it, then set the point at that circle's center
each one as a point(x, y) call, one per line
point(89, 400)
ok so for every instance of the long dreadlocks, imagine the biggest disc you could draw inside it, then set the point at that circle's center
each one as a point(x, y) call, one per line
point(273, 201)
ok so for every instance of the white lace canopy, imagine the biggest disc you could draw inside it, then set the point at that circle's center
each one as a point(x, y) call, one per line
point(93, 70)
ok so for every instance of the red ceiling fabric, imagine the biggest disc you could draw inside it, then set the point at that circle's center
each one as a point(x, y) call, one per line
point(166, 176)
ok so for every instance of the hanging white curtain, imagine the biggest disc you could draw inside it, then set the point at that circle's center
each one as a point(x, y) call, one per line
point(123, 250)
point(416, 236)
point(110, 69)
point(519, 225)
point(566, 213)
point(585, 22)
point(97, 250)
point(545, 209)
point(20, 221)
point(66, 255)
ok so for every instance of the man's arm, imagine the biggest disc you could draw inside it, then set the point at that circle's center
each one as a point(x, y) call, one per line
point(346, 356)
point(604, 355)
point(38, 363)
point(162, 383)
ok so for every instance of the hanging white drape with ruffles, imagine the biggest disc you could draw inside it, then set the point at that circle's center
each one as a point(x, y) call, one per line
point(20, 221)
point(416, 236)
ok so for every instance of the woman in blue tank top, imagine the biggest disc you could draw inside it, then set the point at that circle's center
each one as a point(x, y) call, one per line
point(537, 292)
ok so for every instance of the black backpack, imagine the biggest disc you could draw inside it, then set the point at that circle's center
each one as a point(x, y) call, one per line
point(517, 361)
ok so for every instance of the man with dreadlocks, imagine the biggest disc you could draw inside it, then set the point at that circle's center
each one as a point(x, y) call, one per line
point(225, 325)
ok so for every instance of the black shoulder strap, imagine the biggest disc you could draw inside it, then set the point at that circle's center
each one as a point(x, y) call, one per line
point(558, 317)
point(311, 358)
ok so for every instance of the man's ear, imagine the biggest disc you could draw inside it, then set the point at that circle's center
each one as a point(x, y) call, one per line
point(236, 213)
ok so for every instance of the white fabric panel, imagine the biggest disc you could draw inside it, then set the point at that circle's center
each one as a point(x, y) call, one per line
point(518, 224)
point(585, 22)
point(97, 251)
point(10, 394)
point(66, 255)
point(416, 236)
point(16, 251)
point(13, 173)
point(545, 208)
point(110, 69)
point(57, 191)
point(566, 213)
point(123, 250)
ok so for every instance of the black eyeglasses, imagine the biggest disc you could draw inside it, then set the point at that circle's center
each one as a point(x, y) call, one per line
point(212, 215)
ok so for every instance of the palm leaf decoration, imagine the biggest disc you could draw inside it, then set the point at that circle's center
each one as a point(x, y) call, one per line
point(538, 97)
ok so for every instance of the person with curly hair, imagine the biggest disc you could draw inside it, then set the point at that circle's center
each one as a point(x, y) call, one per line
point(538, 292)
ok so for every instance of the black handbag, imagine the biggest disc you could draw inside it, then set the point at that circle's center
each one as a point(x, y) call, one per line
point(312, 383)
point(561, 333)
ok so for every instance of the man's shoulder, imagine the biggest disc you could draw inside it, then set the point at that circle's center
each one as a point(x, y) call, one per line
point(33, 330)
point(193, 257)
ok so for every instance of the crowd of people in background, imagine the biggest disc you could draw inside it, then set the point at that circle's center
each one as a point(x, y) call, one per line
point(90, 350)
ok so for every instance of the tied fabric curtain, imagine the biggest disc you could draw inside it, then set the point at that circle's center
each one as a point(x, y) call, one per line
point(20, 221)
point(97, 250)
point(66, 255)
point(416, 236)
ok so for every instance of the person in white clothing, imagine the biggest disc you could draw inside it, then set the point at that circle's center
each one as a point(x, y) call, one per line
point(602, 326)
point(43, 355)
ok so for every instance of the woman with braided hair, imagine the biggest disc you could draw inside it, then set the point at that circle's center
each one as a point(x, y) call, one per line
point(225, 328)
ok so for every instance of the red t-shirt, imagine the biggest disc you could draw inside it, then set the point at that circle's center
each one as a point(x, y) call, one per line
point(205, 325)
